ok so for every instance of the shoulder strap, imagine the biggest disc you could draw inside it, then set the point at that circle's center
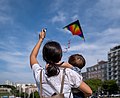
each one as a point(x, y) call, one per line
point(62, 82)
point(41, 84)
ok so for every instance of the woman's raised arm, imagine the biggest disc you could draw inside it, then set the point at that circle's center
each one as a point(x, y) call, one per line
point(34, 53)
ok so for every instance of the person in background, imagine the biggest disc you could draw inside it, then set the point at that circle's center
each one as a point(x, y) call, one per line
point(52, 54)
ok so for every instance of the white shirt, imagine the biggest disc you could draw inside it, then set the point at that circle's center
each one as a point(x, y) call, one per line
point(72, 80)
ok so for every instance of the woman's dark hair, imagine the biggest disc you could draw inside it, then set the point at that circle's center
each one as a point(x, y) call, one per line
point(52, 54)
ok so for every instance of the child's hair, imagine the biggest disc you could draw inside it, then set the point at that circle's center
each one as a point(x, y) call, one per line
point(52, 54)
point(77, 60)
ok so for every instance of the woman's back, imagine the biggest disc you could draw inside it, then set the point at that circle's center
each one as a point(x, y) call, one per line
point(72, 79)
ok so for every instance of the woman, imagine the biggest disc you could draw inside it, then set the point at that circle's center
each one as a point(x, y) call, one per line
point(52, 54)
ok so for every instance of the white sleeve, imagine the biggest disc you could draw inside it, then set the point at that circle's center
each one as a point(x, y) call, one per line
point(74, 78)
point(36, 71)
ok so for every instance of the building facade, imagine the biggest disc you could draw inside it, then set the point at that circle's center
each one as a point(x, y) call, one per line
point(98, 71)
point(114, 64)
point(84, 75)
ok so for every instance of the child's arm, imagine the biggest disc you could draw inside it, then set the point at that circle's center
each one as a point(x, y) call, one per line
point(66, 65)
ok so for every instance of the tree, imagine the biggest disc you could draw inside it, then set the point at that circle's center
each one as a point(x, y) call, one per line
point(95, 84)
point(35, 94)
point(110, 86)
point(24, 95)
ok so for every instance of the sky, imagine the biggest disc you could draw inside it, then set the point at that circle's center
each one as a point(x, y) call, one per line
point(22, 20)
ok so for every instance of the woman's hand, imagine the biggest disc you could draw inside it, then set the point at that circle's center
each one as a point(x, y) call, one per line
point(42, 34)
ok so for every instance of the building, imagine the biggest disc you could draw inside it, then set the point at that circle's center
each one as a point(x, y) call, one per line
point(4, 90)
point(98, 71)
point(84, 75)
point(30, 89)
point(114, 64)
point(7, 82)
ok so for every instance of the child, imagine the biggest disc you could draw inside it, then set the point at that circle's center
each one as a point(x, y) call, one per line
point(78, 62)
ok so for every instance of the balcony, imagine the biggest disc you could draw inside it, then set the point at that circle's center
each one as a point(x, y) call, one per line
point(116, 63)
point(116, 53)
point(116, 73)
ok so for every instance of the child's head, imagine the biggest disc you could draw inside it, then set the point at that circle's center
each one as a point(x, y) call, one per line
point(77, 60)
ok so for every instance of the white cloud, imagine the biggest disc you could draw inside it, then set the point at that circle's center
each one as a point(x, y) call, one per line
point(13, 59)
point(82, 47)
point(5, 18)
point(59, 18)
point(108, 9)
point(112, 32)
point(56, 5)
point(75, 17)
point(4, 5)
point(12, 55)
point(11, 42)
point(109, 36)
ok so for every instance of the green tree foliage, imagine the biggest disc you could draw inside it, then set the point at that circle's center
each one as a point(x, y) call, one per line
point(24, 95)
point(35, 94)
point(110, 86)
point(94, 84)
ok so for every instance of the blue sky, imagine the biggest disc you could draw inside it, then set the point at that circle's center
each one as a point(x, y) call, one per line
point(21, 21)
